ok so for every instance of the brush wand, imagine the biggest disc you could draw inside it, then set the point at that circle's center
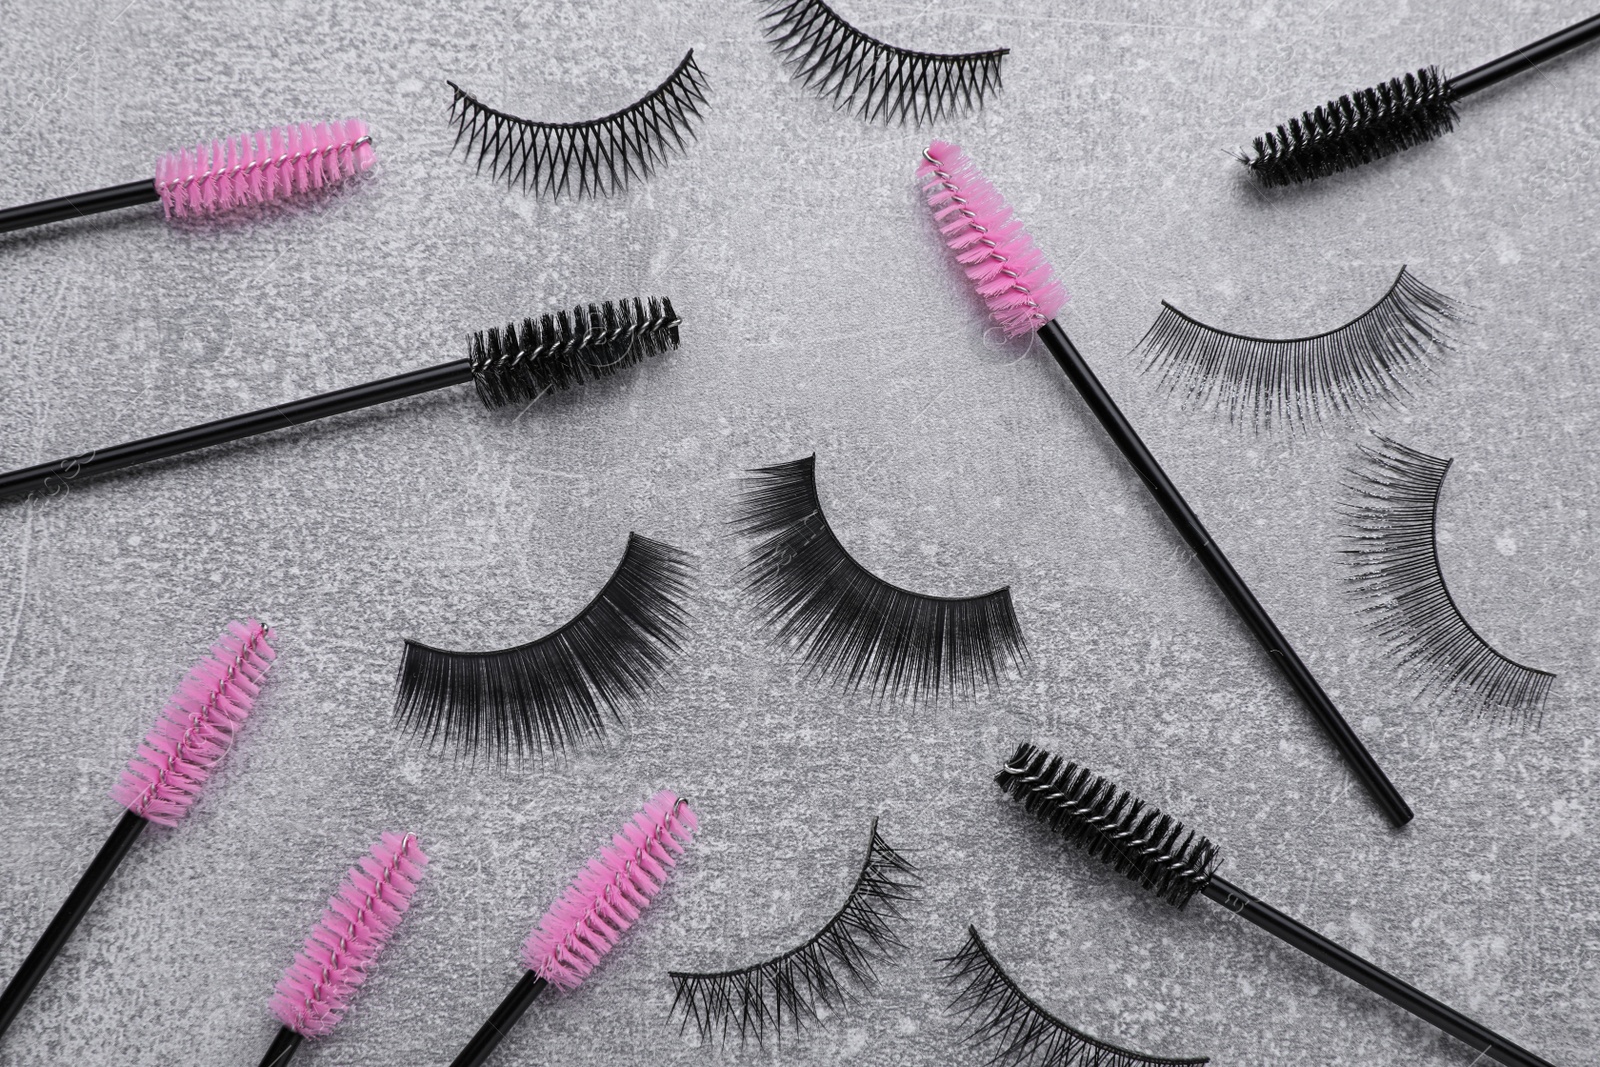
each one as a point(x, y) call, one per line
point(130, 194)
point(66, 920)
point(193, 733)
point(1139, 841)
point(1366, 973)
point(507, 366)
point(247, 169)
point(1391, 116)
point(498, 1025)
point(1525, 58)
point(284, 1045)
point(598, 907)
point(1216, 563)
point(1016, 282)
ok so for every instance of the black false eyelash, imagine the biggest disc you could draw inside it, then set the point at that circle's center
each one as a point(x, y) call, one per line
point(1394, 549)
point(848, 623)
point(1368, 362)
point(1020, 1031)
point(791, 989)
point(879, 80)
point(556, 691)
point(600, 157)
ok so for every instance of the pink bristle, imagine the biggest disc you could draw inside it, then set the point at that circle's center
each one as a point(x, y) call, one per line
point(254, 168)
point(316, 989)
point(609, 894)
point(197, 726)
point(996, 254)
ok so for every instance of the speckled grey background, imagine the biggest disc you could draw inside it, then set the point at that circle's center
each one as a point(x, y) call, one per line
point(817, 316)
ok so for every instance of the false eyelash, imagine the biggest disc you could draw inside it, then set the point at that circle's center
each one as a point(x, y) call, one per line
point(558, 690)
point(1366, 363)
point(880, 80)
point(848, 623)
point(789, 989)
point(1022, 1033)
point(605, 154)
point(1395, 550)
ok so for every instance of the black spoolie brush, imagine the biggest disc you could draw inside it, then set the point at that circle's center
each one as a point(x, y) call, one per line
point(1390, 117)
point(509, 366)
point(1155, 850)
point(1017, 283)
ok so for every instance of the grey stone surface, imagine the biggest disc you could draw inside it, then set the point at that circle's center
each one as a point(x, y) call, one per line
point(818, 316)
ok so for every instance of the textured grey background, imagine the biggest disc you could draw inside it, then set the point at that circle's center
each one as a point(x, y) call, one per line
point(818, 316)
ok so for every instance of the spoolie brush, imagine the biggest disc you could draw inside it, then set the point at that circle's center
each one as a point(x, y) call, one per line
point(1390, 117)
point(251, 168)
point(603, 901)
point(1138, 841)
point(316, 990)
point(1017, 284)
point(163, 779)
point(509, 366)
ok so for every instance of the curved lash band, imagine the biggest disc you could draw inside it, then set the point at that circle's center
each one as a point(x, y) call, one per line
point(1020, 1030)
point(789, 989)
point(1366, 363)
point(600, 156)
point(848, 623)
point(879, 80)
point(1394, 548)
point(560, 689)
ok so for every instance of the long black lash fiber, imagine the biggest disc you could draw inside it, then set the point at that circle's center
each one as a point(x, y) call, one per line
point(880, 81)
point(563, 688)
point(847, 623)
point(597, 157)
point(1370, 362)
point(1018, 1029)
point(790, 989)
point(1393, 544)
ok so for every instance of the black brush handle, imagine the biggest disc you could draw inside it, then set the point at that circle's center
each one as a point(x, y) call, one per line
point(1373, 977)
point(71, 207)
point(67, 919)
point(57, 476)
point(1244, 602)
point(1526, 57)
point(500, 1023)
point(283, 1048)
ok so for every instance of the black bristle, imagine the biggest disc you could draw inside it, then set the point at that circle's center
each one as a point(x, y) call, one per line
point(1127, 835)
point(516, 365)
point(1355, 129)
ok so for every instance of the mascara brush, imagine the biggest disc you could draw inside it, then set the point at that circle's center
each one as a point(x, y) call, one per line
point(195, 730)
point(250, 168)
point(510, 365)
point(1391, 117)
point(316, 990)
point(1017, 283)
point(603, 901)
point(1155, 850)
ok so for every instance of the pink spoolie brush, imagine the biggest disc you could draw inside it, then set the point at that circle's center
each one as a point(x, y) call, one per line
point(194, 732)
point(317, 988)
point(1018, 286)
point(603, 901)
point(251, 168)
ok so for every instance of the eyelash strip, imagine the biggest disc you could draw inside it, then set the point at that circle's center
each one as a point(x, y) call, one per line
point(1394, 547)
point(604, 154)
point(881, 81)
point(848, 623)
point(1364, 364)
point(789, 989)
point(558, 690)
point(1021, 1032)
